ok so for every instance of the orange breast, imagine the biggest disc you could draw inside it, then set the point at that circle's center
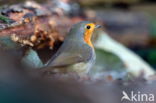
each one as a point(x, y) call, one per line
point(88, 34)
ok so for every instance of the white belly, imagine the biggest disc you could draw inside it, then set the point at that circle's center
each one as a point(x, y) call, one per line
point(81, 68)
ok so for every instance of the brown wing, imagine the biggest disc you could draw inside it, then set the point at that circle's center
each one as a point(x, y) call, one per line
point(71, 54)
point(65, 59)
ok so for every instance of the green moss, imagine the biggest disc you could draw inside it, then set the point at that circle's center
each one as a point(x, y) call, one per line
point(108, 60)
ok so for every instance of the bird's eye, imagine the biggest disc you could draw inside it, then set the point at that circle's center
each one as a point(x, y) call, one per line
point(88, 27)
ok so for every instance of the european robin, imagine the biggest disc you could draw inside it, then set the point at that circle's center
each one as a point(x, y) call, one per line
point(76, 54)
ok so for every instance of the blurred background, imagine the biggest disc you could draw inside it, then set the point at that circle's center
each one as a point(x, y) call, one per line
point(131, 23)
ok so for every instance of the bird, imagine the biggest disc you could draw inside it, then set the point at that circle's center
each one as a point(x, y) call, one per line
point(77, 53)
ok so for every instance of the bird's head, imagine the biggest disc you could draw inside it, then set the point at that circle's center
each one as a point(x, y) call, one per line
point(83, 31)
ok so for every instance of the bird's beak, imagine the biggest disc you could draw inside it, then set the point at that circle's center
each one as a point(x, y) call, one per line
point(98, 26)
